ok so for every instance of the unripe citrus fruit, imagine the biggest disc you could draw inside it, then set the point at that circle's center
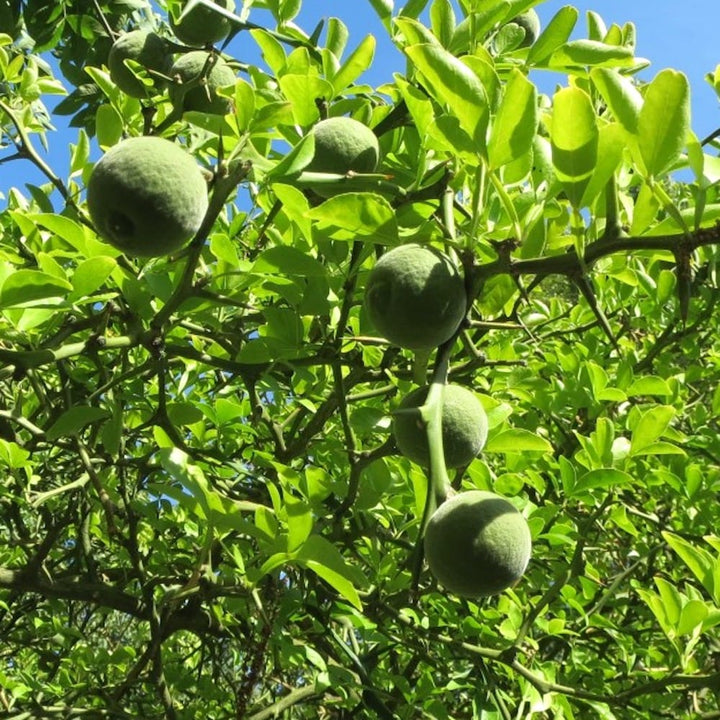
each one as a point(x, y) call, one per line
point(477, 543)
point(464, 426)
point(530, 23)
point(201, 95)
point(147, 196)
point(343, 144)
point(145, 48)
point(202, 26)
point(415, 297)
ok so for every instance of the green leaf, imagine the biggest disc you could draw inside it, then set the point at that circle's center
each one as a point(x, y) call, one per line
point(517, 440)
point(65, 228)
point(299, 521)
point(301, 91)
point(655, 603)
point(582, 53)
point(413, 32)
point(442, 21)
point(295, 206)
point(693, 614)
point(611, 146)
point(699, 561)
point(287, 260)
point(28, 286)
point(184, 413)
point(470, 31)
point(108, 126)
point(357, 215)
point(359, 61)
point(664, 121)
point(325, 560)
point(72, 421)
point(556, 33)
point(295, 161)
point(454, 86)
point(672, 602)
point(651, 425)
point(515, 124)
point(413, 8)
point(90, 275)
point(244, 104)
point(597, 30)
point(649, 385)
point(271, 49)
point(384, 9)
point(658, 448)
point(620, 95)
point(602, 478)
point(574, 139)
point(193, 482)
point(13, 456)
point(336, 37)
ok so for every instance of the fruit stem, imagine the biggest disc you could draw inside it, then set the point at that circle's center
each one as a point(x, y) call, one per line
point(431, 413)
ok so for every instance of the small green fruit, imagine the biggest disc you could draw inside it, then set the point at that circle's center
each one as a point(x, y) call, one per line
point(415, 297)
point(464, 427)
point(145, 48)
point(530, 23)
point(202, 94)
point(147, 196)
point(342, 145)
point(202, 26)
point(477, 544)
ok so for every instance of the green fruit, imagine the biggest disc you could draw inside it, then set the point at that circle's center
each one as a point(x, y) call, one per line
point(203, 26)
point(147, 196)
point(530, 23)
point(144, 47)
point(415, 297)
point(201, 95)
point(342, 145)
point(464, 427)
point(477, 544)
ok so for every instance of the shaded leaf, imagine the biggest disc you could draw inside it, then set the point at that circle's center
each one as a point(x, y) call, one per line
point(72, 421)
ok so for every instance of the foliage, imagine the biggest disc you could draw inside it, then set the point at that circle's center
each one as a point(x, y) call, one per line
point(203, 513)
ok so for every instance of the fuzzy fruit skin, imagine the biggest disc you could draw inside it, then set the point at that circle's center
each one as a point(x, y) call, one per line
point(477, 544)
point(415, 297)
point(144, 47)
point(202, 26)
point(530, 22)
point(343, 144)
point(202, 97)
point(147, 197)
point(464, 427)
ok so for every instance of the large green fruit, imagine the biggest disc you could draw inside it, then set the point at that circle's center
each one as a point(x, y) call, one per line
point(202, 26)
point(200, 96)
point(415, 297)
point(477, 544)
point(530, 23)
point(147, 196)
point(464, 426)
point(145, 48)
point(342, 145)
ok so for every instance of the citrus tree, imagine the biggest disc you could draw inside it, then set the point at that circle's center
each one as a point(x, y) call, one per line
point(225, 406)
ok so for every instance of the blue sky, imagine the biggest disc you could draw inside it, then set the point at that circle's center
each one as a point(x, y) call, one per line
point(681, 35)
point(671, 33)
